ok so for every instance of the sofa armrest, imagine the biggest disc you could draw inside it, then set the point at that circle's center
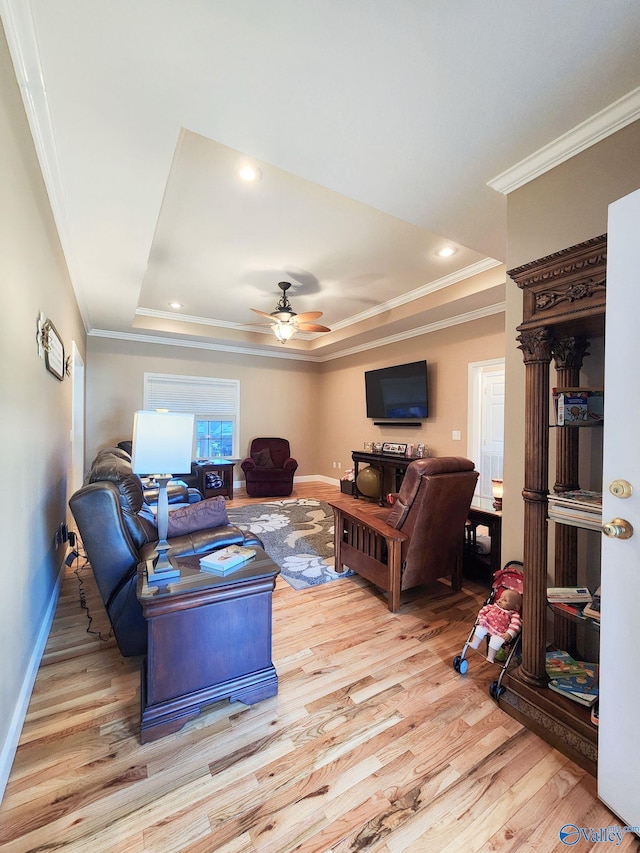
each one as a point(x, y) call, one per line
point(248, 464)
point(290, 464)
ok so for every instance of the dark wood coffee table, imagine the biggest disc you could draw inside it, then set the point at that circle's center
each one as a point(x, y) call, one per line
point(209, 639)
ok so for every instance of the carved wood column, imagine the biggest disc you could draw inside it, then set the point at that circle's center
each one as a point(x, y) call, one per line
point(568, 355)
point(536, 350)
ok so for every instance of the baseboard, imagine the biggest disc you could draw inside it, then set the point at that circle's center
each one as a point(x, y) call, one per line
point(306, 478)
point(9, 747)
point(314, 478)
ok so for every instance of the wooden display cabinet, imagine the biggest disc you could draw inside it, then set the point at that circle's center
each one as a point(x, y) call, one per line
point(563, 307)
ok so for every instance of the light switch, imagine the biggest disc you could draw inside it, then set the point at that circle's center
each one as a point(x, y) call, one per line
point(456, 435)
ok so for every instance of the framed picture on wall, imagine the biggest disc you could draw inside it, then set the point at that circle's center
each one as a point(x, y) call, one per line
point(53, 350)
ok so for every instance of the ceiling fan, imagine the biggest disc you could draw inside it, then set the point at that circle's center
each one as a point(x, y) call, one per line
point(284, 320)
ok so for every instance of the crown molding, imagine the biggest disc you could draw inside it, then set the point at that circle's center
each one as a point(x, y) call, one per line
point(383, 308)
point(608, 121)
point(19, 29)
point(241, 349)
point(468, 317)
point(411, 295)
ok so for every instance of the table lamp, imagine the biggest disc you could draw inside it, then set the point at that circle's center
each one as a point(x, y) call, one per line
point(162, 441)
point(496, 491)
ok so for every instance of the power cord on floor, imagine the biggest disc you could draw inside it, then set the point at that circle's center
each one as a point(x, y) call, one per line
point(78, 554)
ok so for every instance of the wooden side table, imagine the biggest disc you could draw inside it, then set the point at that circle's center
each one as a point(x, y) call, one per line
point(482, 512)
point(209, 638)
point(211, 471)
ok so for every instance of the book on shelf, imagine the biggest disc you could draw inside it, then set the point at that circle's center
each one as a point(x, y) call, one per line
point(226, 559)
point(575, 610)
point(578, 498)
point(579, 507)
point(587, 521)
point(561, 664)
point(581, 688)
point(568, 594)
point(592, 610)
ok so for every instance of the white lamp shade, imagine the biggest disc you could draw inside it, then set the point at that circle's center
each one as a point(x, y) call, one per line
point(162, 442)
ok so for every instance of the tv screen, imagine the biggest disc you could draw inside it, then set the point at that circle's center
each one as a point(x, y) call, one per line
point(398, 392)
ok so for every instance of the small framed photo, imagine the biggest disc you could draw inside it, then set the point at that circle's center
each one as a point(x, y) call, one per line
point(399, 449)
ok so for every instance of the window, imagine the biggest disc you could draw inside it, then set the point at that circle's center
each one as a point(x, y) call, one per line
point(213, 438)
point(214, 402)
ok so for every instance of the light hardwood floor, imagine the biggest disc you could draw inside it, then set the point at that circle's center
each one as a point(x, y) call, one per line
point(373, 743)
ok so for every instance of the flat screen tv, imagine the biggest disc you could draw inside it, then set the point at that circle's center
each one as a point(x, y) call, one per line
point(398, 392)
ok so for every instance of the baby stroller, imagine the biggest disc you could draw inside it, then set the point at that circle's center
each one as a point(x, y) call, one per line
point(508, 578)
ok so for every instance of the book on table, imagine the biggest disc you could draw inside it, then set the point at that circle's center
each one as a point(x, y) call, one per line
point(226, 559)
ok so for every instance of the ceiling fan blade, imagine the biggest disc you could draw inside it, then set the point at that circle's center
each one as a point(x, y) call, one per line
point(305, 316)
point(312, 327)
point(262, 313)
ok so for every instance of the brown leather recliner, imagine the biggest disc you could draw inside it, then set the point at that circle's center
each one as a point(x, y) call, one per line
point(418, 540)
point(269, 469)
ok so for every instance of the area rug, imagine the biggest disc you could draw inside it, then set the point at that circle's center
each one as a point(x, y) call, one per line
point(297, 535)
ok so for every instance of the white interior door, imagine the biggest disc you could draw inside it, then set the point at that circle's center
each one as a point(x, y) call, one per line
point(618, 765)
point(486, 422)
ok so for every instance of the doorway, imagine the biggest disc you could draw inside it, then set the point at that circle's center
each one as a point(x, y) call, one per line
point(485, 427)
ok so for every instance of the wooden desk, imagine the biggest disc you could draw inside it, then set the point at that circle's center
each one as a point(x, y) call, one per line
point(481, 512)
point(383, 462)
point(209, 639)
point(216, 469)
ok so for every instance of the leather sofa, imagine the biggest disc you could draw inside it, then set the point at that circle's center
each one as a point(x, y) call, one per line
point(118, 531)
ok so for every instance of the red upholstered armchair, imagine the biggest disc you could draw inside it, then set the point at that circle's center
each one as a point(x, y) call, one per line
point(269, 469)
point(417, 541)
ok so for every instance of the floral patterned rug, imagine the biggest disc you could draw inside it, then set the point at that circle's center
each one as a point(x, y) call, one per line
point(297, 535)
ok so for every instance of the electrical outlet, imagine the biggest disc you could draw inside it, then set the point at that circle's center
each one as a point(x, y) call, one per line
point(333, 464)
point(456, 435)
point(339, 464)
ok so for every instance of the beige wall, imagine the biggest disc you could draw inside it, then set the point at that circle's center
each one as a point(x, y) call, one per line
point(344, 425)
point(277, 396)
point(319, 408)
point(36, 411)
point(559, 209)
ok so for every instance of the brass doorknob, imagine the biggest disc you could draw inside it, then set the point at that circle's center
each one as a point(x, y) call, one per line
point(619, 528)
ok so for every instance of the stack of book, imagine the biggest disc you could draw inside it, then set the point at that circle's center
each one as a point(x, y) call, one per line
point(577, 680)
point(580, 508)
point(222, 561)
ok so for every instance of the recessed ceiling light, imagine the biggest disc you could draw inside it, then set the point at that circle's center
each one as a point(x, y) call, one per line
point(175, 305)
point(249, 173)
point(446, 252)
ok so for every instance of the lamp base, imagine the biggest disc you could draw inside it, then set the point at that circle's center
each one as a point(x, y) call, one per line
point(165, 567)
point(154, 576)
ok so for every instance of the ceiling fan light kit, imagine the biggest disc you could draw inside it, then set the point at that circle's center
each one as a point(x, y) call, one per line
point(288, 323)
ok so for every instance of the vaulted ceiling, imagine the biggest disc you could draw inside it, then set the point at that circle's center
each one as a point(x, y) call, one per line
point(383, 130)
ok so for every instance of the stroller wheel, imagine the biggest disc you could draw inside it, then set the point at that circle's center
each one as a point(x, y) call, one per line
point(460, 664)
point(495, 690)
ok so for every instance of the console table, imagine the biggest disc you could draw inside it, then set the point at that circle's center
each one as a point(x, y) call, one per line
point(383, 462)
point(209, 638)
